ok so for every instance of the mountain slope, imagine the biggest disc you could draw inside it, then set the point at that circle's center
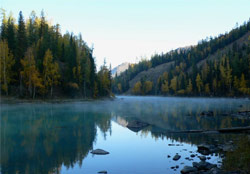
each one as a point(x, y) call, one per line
point(219, 66)
point(119, 69)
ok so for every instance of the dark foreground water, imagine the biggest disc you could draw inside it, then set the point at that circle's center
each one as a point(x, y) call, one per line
point(58, 138)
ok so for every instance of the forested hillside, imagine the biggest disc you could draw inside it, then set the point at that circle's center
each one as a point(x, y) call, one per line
point(218, 66)
point(36, 60)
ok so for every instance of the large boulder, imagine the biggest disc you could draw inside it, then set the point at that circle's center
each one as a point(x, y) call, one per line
point(176, 157)
point(188, 169)
point(204, 165)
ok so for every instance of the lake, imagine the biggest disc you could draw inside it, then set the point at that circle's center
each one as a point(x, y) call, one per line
point(58, 138)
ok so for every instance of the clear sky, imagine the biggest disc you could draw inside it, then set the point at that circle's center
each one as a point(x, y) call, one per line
point(127, 30)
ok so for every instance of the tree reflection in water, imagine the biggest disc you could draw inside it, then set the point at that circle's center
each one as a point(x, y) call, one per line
point(41, 138)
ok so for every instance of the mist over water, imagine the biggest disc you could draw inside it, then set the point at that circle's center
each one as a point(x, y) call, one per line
point(57, 138)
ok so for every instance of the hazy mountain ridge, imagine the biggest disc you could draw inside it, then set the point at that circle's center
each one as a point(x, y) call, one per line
point(216, 66)
point(119, 69)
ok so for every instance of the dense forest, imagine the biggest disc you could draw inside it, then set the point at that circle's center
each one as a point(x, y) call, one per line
point(36, 60)
point(216, 66)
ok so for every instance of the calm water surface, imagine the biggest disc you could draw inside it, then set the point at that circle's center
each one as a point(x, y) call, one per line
point(58, 138)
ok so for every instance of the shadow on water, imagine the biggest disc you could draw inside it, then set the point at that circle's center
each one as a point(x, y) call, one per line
point(41, 138)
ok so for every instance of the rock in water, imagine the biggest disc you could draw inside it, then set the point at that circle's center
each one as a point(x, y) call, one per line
point(192, 155)
point(188, 169)
point(99, 152)
point(104, 172)
point(203, 165)
point(176, 157)
point(202, 158)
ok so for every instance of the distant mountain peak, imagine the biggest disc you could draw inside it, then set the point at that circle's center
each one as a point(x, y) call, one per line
point(120, 68)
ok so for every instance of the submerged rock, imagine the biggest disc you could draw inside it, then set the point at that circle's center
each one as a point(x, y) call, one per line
point(206, 149)
point(192, 155)
point(202, 158)
point(176, 157)
point(188, 169)
point(99, 152)
point(203, 165)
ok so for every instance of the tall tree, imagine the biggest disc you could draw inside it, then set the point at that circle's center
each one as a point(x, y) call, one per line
point(50, 72)
point(199, 83)
point(173, 84)
point(30, 74)
point(11, 35)
point(6, 63)
point(21, 38)
point(3, 29)
point(189, 87)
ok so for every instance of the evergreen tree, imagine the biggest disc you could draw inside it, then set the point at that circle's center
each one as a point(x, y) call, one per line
point(21, 39)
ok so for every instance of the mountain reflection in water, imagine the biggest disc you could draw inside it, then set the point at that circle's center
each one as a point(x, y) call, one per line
point(57, 138)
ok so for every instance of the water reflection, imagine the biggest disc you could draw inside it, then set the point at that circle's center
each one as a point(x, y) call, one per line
point(43, 138)
point(39, 139)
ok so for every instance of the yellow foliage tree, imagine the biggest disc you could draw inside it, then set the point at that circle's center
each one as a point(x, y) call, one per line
point(30, 74)
point(173, 84)
point(164, 88)
point(119, 86)
point(207, 89)
point(51, 74)
point(199, 83)
point(6, 63)
point(148, 86)
point(189, 87)
point(243, 85)
point(137, 88)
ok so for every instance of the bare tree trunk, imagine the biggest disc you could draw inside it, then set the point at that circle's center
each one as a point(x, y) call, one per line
point(34, 92)
point(84, 88)
point(51, 91)
point(20, 83)
point(4, 73)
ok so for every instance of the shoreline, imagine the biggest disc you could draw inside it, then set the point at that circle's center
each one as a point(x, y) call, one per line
point(16, 100)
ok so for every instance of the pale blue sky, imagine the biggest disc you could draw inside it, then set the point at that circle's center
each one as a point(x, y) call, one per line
point(123, 30)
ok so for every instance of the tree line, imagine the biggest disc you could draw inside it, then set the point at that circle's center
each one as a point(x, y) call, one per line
point(37, 60)
point(227, 74)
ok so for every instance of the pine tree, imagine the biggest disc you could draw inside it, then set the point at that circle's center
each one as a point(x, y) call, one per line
point(3, 29)
point(11, 36)
point(228, 75)
point(32, 28)
point(21, 38)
